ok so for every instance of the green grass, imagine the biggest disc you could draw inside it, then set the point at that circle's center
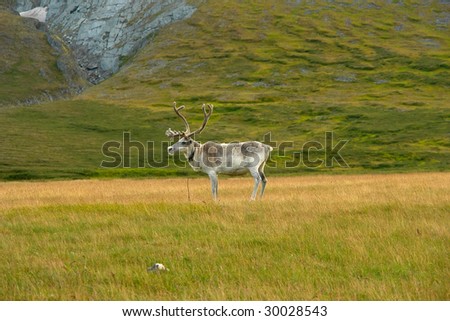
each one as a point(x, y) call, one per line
point(361, 238)
point(246, 52)
point(376, 77)
point(64, 139)
point(28, 71)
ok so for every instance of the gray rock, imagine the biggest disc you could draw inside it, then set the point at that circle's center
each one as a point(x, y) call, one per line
point(24, 5)
point(381, 81)
point(430, 43)
point(66, 62)
point(261, 84)
point(346, 78)
point(101, 32)
point(399, 27)
point(239, 83)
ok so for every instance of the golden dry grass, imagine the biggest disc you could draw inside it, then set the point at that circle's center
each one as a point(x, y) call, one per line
point(313, 192)
point(371, 237)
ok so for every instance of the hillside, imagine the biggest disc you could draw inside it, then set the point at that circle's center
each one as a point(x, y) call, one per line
point(376, 75)
point(241, 52)
point(102, 33)
point(30, 69)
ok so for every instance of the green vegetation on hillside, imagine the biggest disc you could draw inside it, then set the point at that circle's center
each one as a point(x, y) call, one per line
point(64, 139)
point(377, 76)
point(28, 70)
point(250, 52)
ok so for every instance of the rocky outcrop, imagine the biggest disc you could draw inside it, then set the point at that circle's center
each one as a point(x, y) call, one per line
point(102, 33)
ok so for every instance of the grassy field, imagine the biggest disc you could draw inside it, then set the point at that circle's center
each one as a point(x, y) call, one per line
point(375, 75)
point(367, 237)
point(64, 139)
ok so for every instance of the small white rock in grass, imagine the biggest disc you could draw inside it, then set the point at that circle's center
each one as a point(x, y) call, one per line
point(157, 267)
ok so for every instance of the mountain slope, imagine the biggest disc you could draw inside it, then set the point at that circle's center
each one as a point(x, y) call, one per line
point(88, 40)
point(252, 52)
point(102, 33)
point(376, 76)
point(28, 64)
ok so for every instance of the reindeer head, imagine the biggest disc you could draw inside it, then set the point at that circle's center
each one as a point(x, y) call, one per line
point(184, 137)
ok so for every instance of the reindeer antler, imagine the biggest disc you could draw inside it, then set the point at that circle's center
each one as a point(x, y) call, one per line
point(173, 133)
point(207, 115)
point(177, 111)
point(187, 133)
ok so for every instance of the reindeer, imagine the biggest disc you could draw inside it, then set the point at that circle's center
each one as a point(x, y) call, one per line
point(214, 158)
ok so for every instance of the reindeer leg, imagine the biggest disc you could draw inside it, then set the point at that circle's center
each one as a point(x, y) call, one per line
point(263, 184)
point(257, 178)
point(214, 184)
point(263, 179)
